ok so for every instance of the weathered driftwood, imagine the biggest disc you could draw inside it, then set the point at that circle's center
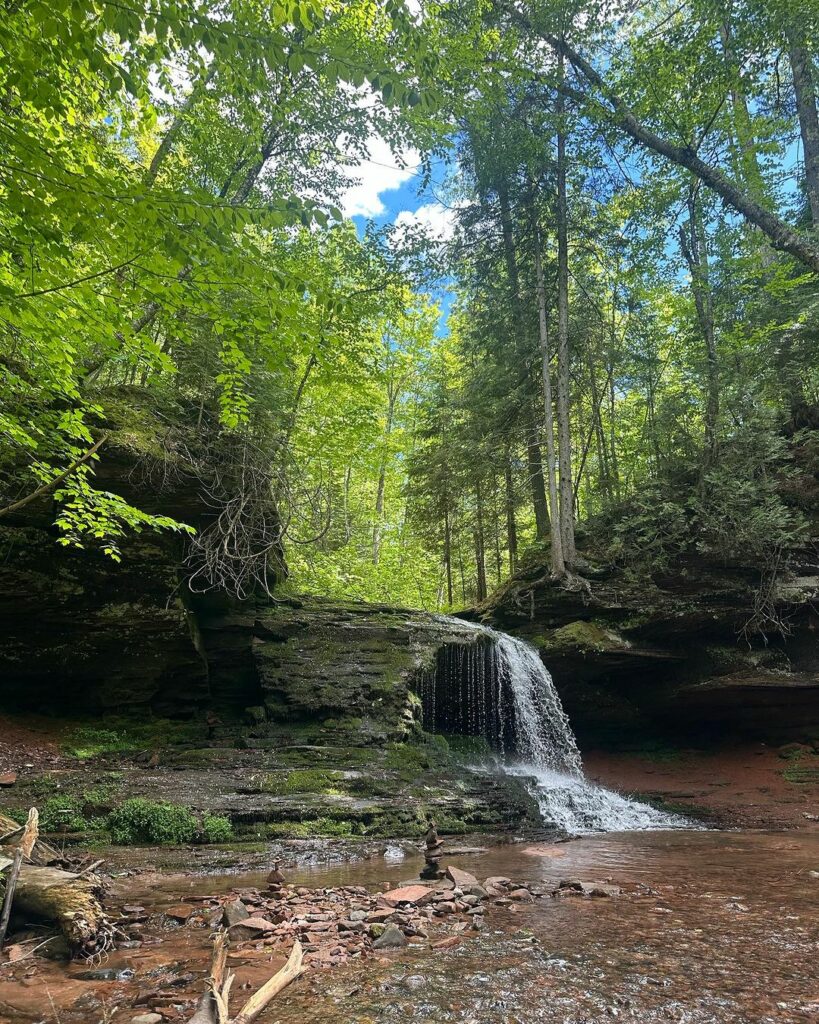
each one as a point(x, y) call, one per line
point(13, 834)
point(70, 901)
point(213, 1006)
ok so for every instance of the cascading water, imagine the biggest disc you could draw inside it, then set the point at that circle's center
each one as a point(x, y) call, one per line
point(504, 693)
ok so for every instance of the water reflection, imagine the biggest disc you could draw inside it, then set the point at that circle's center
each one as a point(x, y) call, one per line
point(719, 928)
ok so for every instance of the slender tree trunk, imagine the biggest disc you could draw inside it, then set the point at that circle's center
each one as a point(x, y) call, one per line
point(462, 571)
point(695, 251)
point(378, 528)
point(175, 127)
point(805, 91)
point(558, 563)
point(511, 525)
point(496, 533)
point(348, 477)
point(535, 461)
point(563, 428)
point(480, 557)
point(746, 164)
point(599, 435)
point(448, 555)
point(539, 502)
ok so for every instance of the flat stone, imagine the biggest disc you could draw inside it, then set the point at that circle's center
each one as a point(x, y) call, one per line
point(8, 778)
point(392, 938)
point(415, 894)
point(447, 943)
point(462, 879)
point(379, 915)
point(179, 913)
point(251, 928)
point(497, 881)
point(147, 1018)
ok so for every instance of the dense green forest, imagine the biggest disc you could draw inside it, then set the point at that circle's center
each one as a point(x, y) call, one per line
point(630, 363)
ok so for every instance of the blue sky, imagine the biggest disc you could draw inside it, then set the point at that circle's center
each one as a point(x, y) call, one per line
point(389, 193)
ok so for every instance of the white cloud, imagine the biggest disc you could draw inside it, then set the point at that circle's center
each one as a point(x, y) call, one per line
point(436, 220)
point(381, 173)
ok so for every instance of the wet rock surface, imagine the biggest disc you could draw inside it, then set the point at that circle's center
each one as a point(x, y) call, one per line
point(619, 647)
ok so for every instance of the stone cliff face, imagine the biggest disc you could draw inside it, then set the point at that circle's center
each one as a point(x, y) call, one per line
point(82, 633)
point(665, 655)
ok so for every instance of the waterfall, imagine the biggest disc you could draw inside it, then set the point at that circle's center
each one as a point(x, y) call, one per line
point(498, 688)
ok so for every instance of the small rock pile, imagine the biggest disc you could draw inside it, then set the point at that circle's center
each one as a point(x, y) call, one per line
point(350, 922)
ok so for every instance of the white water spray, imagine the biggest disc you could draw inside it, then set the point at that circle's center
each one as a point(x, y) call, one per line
point(545, 749)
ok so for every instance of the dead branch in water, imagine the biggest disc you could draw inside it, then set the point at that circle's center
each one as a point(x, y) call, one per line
point(213, 1006)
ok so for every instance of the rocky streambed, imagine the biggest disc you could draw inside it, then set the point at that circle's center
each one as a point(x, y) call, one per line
point(695, 927)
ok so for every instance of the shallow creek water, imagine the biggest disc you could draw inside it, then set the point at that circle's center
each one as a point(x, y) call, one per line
point(726, 929)
point(714, 928)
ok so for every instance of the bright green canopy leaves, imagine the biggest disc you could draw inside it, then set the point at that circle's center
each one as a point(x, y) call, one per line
point(167, 174)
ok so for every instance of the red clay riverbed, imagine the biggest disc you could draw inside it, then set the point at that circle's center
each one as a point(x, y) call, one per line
point(717, 928)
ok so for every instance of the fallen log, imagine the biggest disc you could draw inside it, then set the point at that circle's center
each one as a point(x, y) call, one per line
point(70, 901)
point(213, 1006)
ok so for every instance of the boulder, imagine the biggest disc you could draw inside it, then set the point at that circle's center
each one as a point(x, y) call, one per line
point(462, 879)
point(234, 913)
point(379, 915)
point(179, 913)
point(392, 938)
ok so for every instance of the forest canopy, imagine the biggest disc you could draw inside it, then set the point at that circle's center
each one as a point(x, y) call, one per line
point(630, 364)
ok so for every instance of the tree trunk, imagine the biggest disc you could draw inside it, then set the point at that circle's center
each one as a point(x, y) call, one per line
point(382, 482)
point(695, 251)
point(563, 427)
point(71, 902)
point(448, 555)
point(558, 563)
point(480, 556)
point(511, 525)
point(539, 502)
point(805, 91)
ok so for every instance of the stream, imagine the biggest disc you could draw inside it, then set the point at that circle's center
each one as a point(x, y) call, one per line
point(714, 928)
